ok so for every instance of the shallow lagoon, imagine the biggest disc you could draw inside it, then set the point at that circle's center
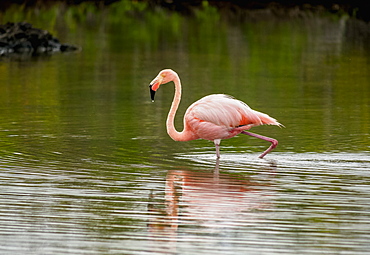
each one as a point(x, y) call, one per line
point(88, 168)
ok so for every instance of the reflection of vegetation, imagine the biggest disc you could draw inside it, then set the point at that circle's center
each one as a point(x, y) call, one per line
point(298, 70)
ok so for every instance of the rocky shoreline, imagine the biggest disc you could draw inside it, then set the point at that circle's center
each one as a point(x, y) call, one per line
point(23, 38)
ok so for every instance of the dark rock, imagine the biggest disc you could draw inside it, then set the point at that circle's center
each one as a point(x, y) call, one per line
point(68, 47)
point(22, 46)
point(23, 38)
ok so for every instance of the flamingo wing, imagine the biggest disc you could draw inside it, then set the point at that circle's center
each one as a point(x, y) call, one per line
point(215, 116)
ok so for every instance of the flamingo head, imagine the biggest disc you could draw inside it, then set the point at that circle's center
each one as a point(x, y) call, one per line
point(163, 77)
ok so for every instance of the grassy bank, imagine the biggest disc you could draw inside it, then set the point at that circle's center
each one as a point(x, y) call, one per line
point(356, 8)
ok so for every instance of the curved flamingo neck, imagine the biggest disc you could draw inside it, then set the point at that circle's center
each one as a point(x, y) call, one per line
point(184, 135)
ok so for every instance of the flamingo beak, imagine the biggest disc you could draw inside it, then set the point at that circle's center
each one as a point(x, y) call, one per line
point(154, 85)
point(152, 92)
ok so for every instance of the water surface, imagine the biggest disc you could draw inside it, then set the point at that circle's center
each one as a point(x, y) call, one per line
point(88, 168)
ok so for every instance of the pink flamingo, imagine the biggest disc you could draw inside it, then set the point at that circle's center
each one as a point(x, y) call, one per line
point(212, 117)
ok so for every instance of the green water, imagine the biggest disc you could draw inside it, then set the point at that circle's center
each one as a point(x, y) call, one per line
point(88, 168)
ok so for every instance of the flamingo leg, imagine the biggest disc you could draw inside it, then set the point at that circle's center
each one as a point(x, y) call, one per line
point(273, 142)
point(217, 145)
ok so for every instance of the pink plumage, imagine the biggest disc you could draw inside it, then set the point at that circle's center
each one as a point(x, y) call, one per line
point(212, 117)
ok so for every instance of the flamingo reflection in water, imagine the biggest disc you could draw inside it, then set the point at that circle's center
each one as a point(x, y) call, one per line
point(212, 201)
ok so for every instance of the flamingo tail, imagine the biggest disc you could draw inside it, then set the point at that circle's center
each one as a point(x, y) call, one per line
point(267, 120)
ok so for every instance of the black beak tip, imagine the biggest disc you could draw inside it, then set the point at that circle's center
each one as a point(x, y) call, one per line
point(152, 93)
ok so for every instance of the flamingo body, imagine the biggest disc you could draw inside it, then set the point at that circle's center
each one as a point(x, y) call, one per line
point(220, 116)
point(213, 117)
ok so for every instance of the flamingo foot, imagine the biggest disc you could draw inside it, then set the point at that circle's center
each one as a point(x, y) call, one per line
point(273, 145)
point(273, 142)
